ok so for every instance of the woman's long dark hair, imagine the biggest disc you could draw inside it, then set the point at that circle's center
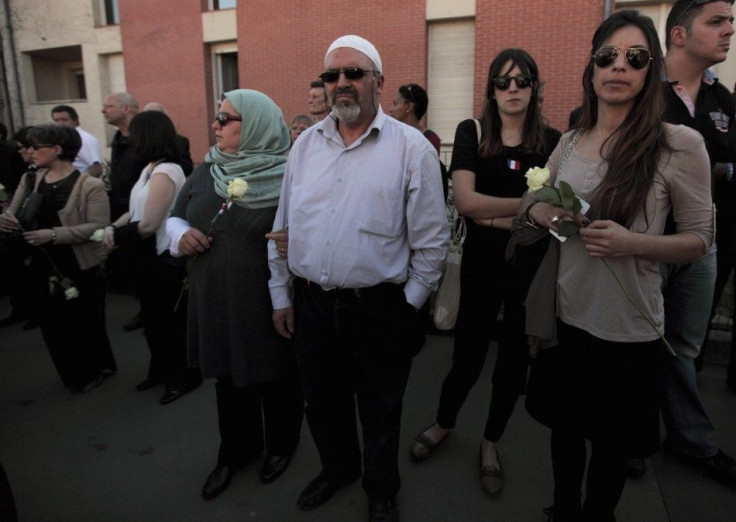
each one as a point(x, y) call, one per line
point(154, 137)
point(533, 136)
point(635, 147)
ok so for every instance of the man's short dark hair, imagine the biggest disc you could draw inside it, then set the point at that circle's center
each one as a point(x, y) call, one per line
point(683, 13)
point(68, 109)
point(65, 137)
point(318, 84)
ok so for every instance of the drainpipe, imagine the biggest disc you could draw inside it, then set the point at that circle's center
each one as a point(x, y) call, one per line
point(15, 107)
point(607, 8)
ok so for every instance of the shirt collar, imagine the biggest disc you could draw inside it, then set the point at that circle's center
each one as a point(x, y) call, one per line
point(709, 77)
point(328, 126)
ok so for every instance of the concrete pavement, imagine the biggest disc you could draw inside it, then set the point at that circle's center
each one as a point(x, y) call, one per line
point(115, 454)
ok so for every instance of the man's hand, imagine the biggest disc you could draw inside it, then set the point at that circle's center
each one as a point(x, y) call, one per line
point(283, 320)
point(193, 242)
point(281, 237)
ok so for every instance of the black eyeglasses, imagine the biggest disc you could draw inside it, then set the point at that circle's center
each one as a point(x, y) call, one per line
point(504, 82)
point(222, 118)
point(637, 57)
point(351, 73)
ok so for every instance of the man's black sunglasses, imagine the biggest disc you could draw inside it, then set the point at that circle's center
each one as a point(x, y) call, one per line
point(351, 73)
point(637, 57)
point(503, 82)
point(222, 118)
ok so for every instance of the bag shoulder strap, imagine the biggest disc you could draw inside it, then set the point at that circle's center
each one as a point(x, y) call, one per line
point(566, 154)
point(477, 129)
point(31, 180)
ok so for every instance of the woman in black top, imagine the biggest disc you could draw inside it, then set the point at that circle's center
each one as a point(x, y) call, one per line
point(488, 182)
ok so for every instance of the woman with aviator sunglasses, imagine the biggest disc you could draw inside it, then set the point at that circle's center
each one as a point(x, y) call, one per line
point(488, 182)
point(230, 335)
point(601, 381)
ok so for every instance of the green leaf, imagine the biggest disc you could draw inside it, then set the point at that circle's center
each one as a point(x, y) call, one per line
point(576, 206)
point(548, 195)
point(567, 196)
point(568, 228)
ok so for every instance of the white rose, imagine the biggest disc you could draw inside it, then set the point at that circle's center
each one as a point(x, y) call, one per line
point(237, 188)
point(536, 178)
point(98, 235)
point(71, 293)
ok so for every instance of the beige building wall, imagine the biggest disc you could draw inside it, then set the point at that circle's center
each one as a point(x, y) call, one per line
point(39, 25)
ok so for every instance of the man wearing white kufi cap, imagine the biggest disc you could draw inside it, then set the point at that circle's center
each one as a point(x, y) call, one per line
point(367, 237)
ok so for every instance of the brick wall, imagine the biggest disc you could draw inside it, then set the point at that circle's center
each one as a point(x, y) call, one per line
point(281, 49)
point(556, 34)
point(165, 62)
point(285, 50)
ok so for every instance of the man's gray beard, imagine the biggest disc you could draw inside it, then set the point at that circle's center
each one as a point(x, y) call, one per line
point(348, 114)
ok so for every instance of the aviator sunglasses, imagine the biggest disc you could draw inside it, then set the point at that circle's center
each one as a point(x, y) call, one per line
point(637, 57)
point(351, 73)
point(222, 118)
point(503, 82)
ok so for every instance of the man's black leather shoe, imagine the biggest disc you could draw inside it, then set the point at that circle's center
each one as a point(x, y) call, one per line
point(217, 482)
point(318, 492)
point(147, 384)
point(273, 467)
point(383, 511)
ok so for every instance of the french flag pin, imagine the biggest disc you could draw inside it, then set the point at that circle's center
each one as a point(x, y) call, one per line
point(513, 164)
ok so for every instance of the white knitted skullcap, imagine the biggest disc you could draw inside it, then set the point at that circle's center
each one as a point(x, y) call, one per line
point(359, 44)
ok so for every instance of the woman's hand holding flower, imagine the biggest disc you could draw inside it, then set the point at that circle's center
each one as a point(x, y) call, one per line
point(193, 242)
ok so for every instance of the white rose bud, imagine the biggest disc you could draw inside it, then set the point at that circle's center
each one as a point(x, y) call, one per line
point(71, 293)
point(237, 188)
point(536, 178)
point(98, 235)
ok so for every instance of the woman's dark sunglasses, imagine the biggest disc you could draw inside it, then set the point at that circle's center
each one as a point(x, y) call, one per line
point(222, 118)
point(503, 82)
point(351, 73)
point(637, 57)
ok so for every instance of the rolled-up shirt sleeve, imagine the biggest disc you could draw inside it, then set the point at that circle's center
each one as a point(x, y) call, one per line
point(689, 186)
point(279, 283)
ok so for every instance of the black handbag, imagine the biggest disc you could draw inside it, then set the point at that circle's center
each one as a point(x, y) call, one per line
point(28, 210)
